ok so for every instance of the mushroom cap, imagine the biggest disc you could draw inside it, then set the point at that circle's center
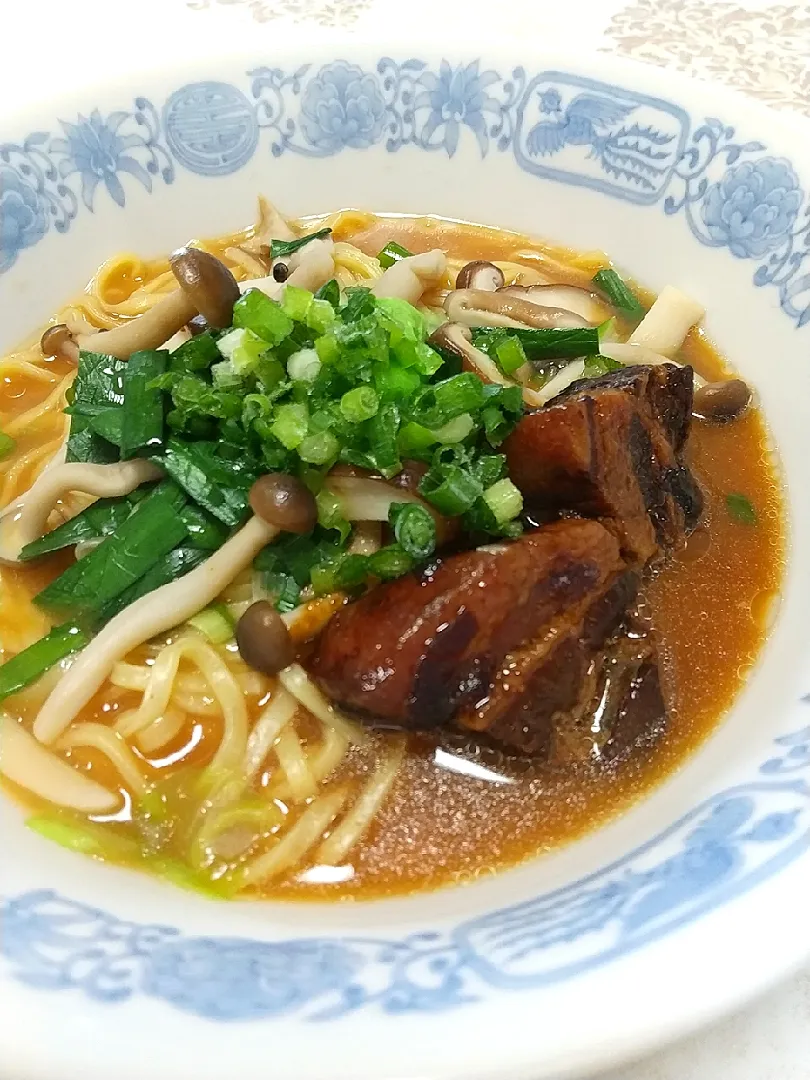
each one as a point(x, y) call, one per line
point(480, 274)
point(208, 284)
point(721, 401)
point(58, 341)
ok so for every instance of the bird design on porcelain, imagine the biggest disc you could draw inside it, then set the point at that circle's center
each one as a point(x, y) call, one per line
point(586, 121)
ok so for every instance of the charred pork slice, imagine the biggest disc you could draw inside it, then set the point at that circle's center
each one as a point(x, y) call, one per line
point(611, 448)
point(495, 641)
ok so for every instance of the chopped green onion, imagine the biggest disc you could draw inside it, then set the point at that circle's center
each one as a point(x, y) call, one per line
point(404, 320)
point(392, 253)
point(450, 488)
point(27, 666)
point(443, 401)
point(255, 311)
point(510, 355)
point(281, 249)
point(327, 349)
point(359, 404)
point(620, 295)
point(414, 439)
point(389, 562)
point(142, 419)
point(414, 529)
point(330, 514)
point(741, 509)
point(290, 425)
point(243, 348)
point(504, 500)
point(321, 316)
point(304, 365)
point(600, 365)
point(7, 445)
point(455, 430)
point(319, 449)
point(396, 383)
point(296, 303)
point(215, 623)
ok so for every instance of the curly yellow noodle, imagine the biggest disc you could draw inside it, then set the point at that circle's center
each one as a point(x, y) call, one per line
point(108, 742)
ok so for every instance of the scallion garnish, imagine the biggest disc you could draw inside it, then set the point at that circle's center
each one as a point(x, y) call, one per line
point(27, 666)
point(741, 509)
point(7, 445)
point(541, 345)
point(620, 295)
point(282, 249)
point(391, 253)
point(414, 529)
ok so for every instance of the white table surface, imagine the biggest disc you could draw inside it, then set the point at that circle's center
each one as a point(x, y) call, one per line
point(756, 46)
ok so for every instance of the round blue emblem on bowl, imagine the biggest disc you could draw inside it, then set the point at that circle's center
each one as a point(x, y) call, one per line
point(211, 128)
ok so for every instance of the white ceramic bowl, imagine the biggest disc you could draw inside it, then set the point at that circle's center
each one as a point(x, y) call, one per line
point(682, 908)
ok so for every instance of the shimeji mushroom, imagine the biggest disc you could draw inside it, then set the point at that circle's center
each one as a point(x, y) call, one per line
point(207, 288)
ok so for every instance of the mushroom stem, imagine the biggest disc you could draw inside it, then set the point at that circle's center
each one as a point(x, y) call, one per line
point(24, 520)
point(153, 614)
point(409, 278)
point(476, 307)
point(147, 331)
point(455, 338)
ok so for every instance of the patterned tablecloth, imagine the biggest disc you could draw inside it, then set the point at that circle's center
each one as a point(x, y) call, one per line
point(758, 47)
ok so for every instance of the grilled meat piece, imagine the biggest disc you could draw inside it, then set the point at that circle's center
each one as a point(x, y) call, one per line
point(611, 448)
point(493, 642)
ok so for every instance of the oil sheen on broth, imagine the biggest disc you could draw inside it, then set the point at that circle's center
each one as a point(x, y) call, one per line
point(457, 813)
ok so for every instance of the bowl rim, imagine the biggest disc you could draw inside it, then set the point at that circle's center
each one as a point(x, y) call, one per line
point(780, 961)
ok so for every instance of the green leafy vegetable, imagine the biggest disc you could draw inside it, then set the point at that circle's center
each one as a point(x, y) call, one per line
point(391, 253)
point(619, 294)
point(204, 532)
point(196, 354)
point(218, 485)
point(27, 666)
point(118, 562)
point(282, 249)
point(108, 423)
point(142, 421)
point(741, 509)
point(99, 386)
point(543, 344)
point(101, 519)
point(167, 569)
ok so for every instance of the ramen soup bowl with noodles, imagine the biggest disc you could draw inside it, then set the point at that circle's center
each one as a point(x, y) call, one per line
point(405, 564)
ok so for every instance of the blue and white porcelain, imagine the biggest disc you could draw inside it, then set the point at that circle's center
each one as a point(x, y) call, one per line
point(680, 910)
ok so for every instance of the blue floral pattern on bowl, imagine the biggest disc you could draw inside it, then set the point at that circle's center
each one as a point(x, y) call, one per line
point(342, 107)
point(556, 125)
point(719, 850)
point(754, 207)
